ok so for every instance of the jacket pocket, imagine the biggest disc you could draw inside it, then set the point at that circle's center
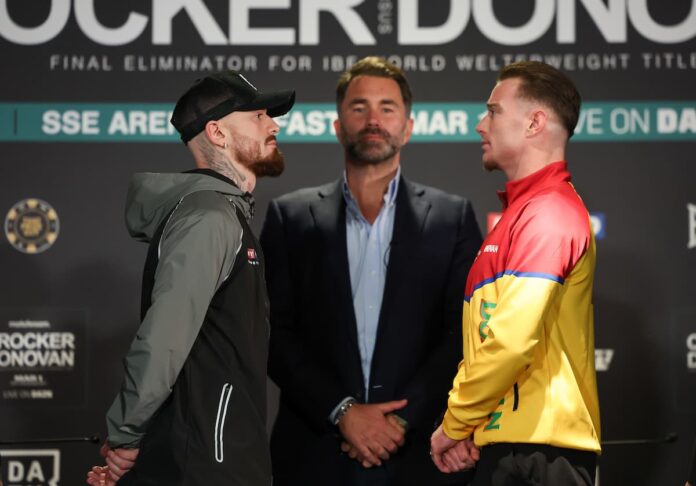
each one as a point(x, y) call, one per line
point(220, 420)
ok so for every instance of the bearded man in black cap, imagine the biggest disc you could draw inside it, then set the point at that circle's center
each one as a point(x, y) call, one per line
point(192, 407)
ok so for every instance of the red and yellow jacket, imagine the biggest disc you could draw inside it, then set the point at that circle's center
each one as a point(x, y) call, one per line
point(528, 372)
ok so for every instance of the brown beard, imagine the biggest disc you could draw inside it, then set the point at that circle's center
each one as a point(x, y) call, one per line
point(248, 153)
point(490, 166)
point(372, 152)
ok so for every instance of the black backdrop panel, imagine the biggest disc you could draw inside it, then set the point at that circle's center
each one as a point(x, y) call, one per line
point(69, 65)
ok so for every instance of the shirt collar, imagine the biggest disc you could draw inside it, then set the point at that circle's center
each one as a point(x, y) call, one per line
point(551, 174)
point(389, 196)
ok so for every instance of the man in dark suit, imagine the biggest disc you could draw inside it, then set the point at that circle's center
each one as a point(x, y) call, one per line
point(365, 278)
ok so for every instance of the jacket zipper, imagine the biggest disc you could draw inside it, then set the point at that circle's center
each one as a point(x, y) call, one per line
point(220, 420)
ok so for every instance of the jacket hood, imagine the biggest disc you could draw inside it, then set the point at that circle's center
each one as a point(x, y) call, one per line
point(151, 197)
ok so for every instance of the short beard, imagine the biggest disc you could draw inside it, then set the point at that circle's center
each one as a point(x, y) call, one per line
point(247, 152)
point(490, 165)
point(370, 152)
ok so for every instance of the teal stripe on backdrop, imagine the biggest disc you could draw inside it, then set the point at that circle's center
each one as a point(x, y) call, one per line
point(605, 121)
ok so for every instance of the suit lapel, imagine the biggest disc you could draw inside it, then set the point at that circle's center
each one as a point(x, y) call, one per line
point(411, 212)
point(329, 212)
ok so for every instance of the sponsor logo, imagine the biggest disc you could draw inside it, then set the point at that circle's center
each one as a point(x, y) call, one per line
point(691, 208)
point(26, 347)
point(490, 249)
point(603, 358)
point(252, 257)
point(35, 467)
point(691, 352)
point(31, 226)
point(41, 356)
point(305, 21)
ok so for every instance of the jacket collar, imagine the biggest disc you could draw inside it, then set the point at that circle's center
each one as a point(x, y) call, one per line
point(527, 186)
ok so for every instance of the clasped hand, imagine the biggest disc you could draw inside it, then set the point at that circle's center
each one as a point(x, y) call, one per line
point(118, 462)
point(371, 433)
point(451, 455)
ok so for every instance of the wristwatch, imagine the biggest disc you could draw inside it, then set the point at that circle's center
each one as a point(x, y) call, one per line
point(345, 406)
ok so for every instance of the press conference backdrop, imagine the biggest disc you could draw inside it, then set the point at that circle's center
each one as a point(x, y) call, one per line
point(86, 91)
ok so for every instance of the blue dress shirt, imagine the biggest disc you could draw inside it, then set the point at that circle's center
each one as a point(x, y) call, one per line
point(368, 255)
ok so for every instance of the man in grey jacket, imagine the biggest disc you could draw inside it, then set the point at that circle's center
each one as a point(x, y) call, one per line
point(191, 409)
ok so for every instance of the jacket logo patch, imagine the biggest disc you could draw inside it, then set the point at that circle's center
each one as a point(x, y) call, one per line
point(251, 256)
point(490, 249)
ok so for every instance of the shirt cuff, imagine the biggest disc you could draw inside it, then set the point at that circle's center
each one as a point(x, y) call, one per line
point(332, 415)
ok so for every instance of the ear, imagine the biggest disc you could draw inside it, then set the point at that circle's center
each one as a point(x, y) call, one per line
point(537, 122)
point(408, 130)
point(338, 128)
point(214, 133)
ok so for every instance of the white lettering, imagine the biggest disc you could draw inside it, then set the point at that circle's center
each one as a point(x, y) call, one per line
point(289, 63)
point(691, 208)
point(70, 122)
point(457, 120)
point(90, 26)
point(623, 121)
point(590, 121)
point(51, 122)
point(343, 11)
point(90, 122)
point(296, 124)
point(691, 341)
point(28, 324)
point(35, 472)
point(54, 24)
point(138, 122)
point(316, 123)
point(691, 355)
point(643, 22)
point(15, 471)
point(241, 33)
point(163, 11)
point(31, 359)
point(666, 120)
point(610, 19)
point(439, 122)
point(538, 25)
point(411, 34)
point(669, 120)
point(118, 124)
point(438, 125)
point(687, 123)
point(37, 340)
point(603, 359)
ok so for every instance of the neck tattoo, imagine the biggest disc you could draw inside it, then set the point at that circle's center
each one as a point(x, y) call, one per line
point(226, 168)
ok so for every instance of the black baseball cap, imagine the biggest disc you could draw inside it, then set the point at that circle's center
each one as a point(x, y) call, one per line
point(218, 95)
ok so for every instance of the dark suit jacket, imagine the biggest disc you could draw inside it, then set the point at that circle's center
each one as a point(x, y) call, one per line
point(314, 356)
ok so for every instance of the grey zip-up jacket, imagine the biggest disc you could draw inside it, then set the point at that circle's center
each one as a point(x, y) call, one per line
point(197, 252)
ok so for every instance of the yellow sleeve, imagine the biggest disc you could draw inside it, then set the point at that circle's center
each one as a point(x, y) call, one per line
point(500, 336)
